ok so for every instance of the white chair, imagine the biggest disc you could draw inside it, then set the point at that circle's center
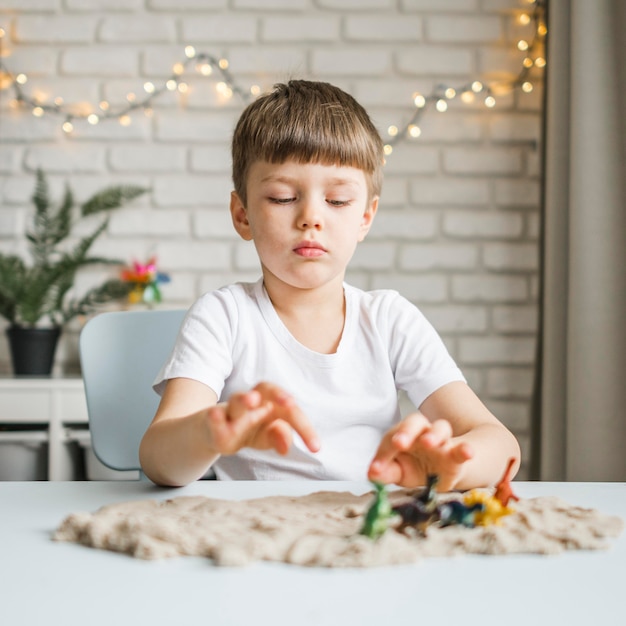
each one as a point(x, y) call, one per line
point(120, 354)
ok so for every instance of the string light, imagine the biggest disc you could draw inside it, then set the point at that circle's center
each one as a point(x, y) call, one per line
point(207, 65)
point(204, 64)
point(442, 94)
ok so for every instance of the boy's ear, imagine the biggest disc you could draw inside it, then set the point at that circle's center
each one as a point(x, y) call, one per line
point(368, 218)
point(239, 216)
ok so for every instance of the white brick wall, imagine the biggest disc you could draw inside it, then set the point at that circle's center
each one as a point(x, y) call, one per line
point(458, 226)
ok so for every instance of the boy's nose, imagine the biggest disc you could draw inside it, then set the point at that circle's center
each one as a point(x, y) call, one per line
point(309, 217)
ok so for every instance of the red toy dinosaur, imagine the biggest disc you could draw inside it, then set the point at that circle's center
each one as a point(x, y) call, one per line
point(504, 491)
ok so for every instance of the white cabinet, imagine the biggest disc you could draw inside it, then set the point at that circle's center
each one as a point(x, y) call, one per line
point(53, 403)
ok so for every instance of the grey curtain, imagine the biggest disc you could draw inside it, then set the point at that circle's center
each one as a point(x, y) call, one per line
point(580, 417)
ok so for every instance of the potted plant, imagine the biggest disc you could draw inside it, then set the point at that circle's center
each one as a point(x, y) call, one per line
point(35, 297)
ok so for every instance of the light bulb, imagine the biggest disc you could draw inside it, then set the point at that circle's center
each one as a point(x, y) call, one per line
point(93, 119)
point(477, 86)
point(527, 87)
point(419, 101)
point(255, 90)
point(38, 111)
point(67, 127)
point(223, 63)
point(467, 97)
point(414, 131)
point(392, 131)
point(125, 120)
point(522, 45)
point(148, 87)
point(21, 79)
point(450, 93)
point(190, 52)
point(388, 149)
point(171, 84)
point(490, 102)
point(441, 106)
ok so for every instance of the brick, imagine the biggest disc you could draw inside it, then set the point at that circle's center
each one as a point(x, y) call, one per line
point(300, 29)
point(510, 382)
point(214, 224)
point(181, 288)
point(371, 255)
point(355, 5)
point(10, 158)
point(256, 61)
point(104, 5)
point(418, 289)
point(215, 28)
point(412, 158)
point(439, 6)
point(188, 191)
point(517, 193)
point(272, 5)
point(140, 29)
point(433, 60)
point(69, 158)
point(395, 192)
point(489, 288)
point(482, 161)
point(352, 61)
point(100, 60)
point(381, 91)
point(214, 159)
point(11, 223)
point(46, 88)
point(463, 29)
point(193, 255)
point(534, 163)
point(438, 256)
point(382, 28)
point(21, 126)
point(482, 224)
point(195, 127)
point(404, 224)
point(246, 258)
point(505, 61)
point(66, 29)
point(184, 5)
point(40, 61)
point(149, 158)
point(451, 127)
point(152, 223)
point(457, 318)
point(514, 127)
point(449, 191)
point(25, 6)
point(511, 256)
point(497, 350)
point(533, 226)
point(515, 319)
point(111, 130)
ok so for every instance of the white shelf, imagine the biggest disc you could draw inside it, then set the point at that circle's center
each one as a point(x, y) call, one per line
point(54, 402)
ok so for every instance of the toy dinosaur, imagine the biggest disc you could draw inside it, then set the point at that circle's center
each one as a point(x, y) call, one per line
point(493, 510)
point(456, 512)
point(379, 514)
point(504, 491)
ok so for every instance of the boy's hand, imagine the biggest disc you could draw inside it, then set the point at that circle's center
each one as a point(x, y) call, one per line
point(262, 418)
point(415, 448)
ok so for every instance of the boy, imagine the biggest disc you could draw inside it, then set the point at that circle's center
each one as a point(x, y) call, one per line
point(297, 375)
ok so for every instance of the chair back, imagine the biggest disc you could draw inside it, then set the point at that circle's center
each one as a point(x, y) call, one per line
point(121, 352)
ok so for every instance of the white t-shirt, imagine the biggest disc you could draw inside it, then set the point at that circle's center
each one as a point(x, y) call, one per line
point(232, 339)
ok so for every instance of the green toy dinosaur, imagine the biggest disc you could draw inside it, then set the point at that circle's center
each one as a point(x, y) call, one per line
point(379, 514)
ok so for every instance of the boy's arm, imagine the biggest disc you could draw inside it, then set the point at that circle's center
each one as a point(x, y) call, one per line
point(453, 435)
point(190, 431)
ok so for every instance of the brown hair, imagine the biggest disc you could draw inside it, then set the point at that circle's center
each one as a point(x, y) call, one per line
point(311, 122)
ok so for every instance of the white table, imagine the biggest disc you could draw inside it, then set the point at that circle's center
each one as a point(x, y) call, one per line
point(44, 582)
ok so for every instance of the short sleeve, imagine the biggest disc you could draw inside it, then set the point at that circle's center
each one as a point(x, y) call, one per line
point(204, 346)
point(420, 360)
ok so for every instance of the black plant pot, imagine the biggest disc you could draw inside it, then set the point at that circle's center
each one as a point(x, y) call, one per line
point(32, 349)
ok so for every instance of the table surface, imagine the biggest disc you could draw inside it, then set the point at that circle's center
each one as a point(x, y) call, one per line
point(42, 581)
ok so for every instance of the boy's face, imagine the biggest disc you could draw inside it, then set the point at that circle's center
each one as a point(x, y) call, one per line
point(305, 219)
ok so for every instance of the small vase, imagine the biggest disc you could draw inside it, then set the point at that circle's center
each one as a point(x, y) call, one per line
point(32, 349)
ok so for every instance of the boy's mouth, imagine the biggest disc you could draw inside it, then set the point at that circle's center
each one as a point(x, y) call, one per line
point(309, 249)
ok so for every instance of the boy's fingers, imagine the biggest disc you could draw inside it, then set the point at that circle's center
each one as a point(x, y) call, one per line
point(286, 409)
point(405, 434)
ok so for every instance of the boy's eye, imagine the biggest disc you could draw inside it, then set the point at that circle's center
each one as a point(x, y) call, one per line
point(338, 202)
point(281, 200)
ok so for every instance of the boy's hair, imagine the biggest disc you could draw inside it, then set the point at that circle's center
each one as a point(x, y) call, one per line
point(310, 122)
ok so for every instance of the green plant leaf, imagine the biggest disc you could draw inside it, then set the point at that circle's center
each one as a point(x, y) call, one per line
point(111, 198)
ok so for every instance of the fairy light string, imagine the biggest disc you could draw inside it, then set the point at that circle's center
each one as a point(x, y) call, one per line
point(205, 65)
point(533, 49)
point(208, 65)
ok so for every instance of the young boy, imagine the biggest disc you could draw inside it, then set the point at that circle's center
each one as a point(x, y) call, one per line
point(297, 375)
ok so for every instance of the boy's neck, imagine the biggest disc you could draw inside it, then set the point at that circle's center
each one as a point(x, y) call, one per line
point(315, 317)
